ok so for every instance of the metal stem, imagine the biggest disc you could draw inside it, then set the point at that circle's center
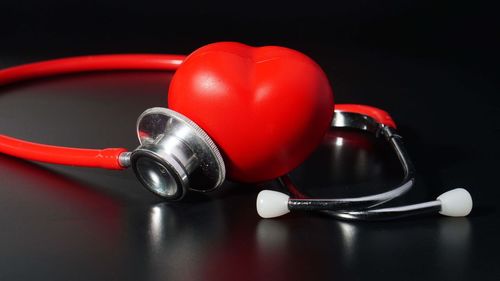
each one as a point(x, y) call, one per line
point(361, 208)
point(390, 213)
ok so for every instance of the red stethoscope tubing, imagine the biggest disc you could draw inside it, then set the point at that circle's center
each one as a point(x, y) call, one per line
point(107, 158)
point(100, 158)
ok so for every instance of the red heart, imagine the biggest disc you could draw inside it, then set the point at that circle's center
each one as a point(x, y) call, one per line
point(266, 108)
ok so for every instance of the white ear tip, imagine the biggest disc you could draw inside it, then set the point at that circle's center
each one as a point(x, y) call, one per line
point(455, 203)
point(272, 204)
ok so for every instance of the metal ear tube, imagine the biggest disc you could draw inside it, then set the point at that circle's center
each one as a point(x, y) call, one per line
point(456, 202)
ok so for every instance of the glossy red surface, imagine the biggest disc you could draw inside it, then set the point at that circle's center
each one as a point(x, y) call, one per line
point(89, 64)
point(377, 114)
point(266, 108)
point(100, 158)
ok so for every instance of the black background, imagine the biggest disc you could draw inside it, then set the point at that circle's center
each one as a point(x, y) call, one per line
point(431, 64)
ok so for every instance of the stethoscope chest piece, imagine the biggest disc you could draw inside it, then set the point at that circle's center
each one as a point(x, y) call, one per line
point(175, 155)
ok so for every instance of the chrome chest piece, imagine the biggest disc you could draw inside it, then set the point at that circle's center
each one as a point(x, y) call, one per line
point(175, 155)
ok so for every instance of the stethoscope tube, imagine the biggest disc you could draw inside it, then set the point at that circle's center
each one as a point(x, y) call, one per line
point(108, 158)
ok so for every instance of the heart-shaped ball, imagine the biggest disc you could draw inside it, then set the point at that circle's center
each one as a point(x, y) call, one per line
point(266, 108)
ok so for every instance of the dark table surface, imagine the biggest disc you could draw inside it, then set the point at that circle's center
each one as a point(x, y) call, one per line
point(68, 223)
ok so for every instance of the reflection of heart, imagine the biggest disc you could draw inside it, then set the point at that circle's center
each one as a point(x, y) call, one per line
point(266, 108)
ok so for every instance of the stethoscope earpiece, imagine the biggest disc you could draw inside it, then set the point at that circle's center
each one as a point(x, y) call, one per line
point(272, 204)
point(455, 203)
point(175, 155)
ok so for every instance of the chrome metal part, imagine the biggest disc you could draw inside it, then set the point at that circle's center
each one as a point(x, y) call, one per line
point(361, 208)
point(390, 213)
point(124, 159)
point(342, 119)
point(175, 155)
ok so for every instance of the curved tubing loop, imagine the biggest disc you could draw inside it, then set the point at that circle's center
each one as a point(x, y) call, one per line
point(108, 158)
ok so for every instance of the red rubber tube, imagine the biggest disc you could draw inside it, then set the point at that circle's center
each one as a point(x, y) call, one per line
point(89, 64)
point(100, 158)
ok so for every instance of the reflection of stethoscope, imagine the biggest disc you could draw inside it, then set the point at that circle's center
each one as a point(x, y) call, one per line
point(176, 154)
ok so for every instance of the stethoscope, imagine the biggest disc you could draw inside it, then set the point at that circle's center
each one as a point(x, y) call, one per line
point(176, 155)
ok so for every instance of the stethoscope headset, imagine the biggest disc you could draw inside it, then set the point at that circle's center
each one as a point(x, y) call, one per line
point(183, 148)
